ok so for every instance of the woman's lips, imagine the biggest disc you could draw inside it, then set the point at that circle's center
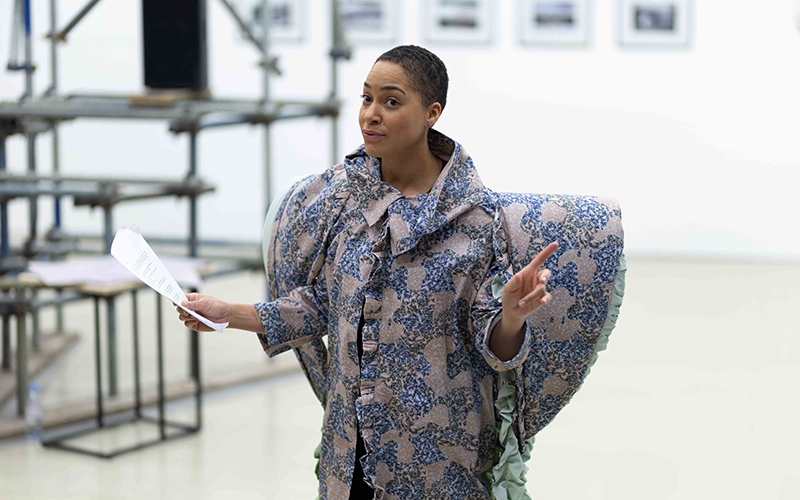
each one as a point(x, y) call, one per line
point(372, 137)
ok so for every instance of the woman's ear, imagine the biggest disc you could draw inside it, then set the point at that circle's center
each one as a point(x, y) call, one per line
point(434, 112)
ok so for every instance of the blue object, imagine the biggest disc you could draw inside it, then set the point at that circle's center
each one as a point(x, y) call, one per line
point(33, 414)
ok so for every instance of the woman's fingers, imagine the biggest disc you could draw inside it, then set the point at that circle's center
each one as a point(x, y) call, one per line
point(544, 276)
point(211, 308)
point(195, 325)
point(533, 283)
point(187, 319)
point(546, 299)
point(539, 260)
point(527, 290)
point(531, 275)
point(537, 293)
point(534, 305)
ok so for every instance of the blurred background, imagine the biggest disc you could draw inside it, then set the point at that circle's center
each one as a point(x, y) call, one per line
point(686, 111)
point(698, 143)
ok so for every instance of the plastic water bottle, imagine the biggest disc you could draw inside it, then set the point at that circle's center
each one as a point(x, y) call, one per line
point(33, 414)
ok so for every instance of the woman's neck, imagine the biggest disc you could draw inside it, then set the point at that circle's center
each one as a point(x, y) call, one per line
point(412, 174)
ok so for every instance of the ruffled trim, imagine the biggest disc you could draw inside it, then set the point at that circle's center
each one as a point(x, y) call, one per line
point(507, 477)
point(617, 294)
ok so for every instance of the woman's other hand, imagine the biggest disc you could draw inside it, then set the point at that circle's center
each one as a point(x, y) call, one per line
point(212, 308)
point(526, 291)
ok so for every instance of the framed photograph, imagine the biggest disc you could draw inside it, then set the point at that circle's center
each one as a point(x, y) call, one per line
point(797, 14)
point(459, 21)
point(656, 23)
point(369, 21)
point(286, 18)
point(554, 22)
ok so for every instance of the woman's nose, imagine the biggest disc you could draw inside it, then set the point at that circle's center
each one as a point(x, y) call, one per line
point(372, 114)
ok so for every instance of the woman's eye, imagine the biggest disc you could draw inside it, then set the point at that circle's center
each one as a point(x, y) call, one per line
point(392, 102)
point(365, 98)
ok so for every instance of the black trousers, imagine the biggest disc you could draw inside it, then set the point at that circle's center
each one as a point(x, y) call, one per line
point(360, 490)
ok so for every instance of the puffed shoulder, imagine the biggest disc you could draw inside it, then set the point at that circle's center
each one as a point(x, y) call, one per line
point(296, 229)
point(584, 268)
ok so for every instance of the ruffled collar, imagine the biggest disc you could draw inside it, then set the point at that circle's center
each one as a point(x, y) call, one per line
point(457, 189)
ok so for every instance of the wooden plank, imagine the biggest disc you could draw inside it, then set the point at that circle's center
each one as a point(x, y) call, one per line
point(167, 98)
point(30, 280)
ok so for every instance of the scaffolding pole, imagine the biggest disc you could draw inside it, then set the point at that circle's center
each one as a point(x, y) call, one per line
point(30, 140)
point(55, 231)
point(62, 35)
point(31, 116)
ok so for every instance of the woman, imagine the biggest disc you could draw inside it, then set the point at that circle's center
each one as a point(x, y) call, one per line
point(406, 243)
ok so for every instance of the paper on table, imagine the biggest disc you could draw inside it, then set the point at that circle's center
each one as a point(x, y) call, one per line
point(133, 252)
point(106, 270)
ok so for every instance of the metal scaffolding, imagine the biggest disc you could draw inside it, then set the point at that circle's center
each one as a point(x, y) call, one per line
point(32, 115)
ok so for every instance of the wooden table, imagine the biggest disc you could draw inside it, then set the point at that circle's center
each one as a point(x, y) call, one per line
point(19, 299)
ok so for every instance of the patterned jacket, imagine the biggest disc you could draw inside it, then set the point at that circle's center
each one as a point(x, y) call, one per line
point(420, 271)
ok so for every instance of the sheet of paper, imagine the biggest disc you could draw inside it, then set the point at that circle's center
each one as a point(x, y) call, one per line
point(106, 270)
point(133, 252)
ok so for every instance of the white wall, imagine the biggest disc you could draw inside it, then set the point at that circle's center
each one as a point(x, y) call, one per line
point(700, 147)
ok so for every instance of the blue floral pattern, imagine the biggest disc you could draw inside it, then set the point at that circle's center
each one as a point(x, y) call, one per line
point(419, 271)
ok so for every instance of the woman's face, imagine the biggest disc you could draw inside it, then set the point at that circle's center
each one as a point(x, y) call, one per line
point(392, 117)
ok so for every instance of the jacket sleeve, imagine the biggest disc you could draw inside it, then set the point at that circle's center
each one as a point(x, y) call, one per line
point(487, 309)
point(294, 320)
point(296, 236)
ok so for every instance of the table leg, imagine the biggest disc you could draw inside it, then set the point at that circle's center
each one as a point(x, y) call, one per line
point(60, 313)
point(194, 353)
point(36, 335)
point(198, 394)
point(136, 378)
point(108, 231)
point(160, 357)
point(111, 310)
point(98, 366)
point(22, 363)
point(6, 341)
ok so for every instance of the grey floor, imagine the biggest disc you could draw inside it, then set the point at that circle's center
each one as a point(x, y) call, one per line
point(695, 399)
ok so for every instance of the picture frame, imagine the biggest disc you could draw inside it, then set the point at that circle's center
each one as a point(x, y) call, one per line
point(458, 21)
point(287, 19)
point(369, 21)
point(797, 14)
point(656, 23)
point(557, 23)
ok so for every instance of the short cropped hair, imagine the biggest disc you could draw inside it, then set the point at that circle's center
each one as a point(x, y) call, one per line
point(426, 71)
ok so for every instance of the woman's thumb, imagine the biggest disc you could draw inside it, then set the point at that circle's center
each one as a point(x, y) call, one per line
point(193, 305)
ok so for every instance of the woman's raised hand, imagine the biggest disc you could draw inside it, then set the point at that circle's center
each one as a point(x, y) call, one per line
point(214, 309)
point(524, 293)
point(527, 290)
